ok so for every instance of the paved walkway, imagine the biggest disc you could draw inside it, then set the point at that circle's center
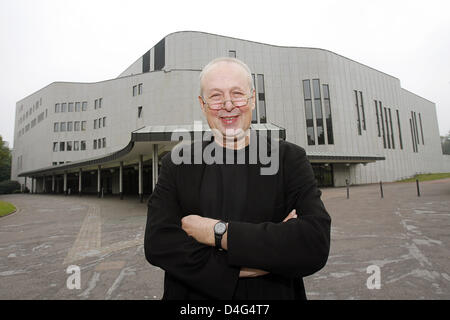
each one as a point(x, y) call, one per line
point(405, 236)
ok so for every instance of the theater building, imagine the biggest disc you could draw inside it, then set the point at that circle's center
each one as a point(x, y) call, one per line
point(355, 123)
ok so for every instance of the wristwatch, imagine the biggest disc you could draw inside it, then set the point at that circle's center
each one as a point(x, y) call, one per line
point(219, 230)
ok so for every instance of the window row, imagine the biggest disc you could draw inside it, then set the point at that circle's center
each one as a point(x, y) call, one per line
point(415, 130)
point(99, 143)
point(33, 123)
point(30, 110)
point(315, 116)
point(71, 107)
point(69, 126)
point(137, 90)
point(385, 127)
point(98, 123)
point(69, 146)
point(98, 103)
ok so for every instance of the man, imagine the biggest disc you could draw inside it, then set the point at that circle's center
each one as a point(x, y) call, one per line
point(226, 231)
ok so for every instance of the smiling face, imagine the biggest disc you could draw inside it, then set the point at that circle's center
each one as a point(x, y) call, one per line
point(225, 81)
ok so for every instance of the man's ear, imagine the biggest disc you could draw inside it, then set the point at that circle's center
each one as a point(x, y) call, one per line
point(202, 105)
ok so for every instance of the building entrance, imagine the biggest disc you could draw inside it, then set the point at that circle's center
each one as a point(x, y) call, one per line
point(323, 174)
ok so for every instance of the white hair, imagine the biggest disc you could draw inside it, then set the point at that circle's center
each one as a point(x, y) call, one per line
point(229, 60)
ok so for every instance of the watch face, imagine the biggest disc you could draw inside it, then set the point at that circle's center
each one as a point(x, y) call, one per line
point(220, 228)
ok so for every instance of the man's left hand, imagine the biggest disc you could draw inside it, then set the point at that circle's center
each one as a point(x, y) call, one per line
point(200, 228)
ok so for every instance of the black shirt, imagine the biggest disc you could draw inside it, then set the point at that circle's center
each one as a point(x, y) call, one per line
point(254, 206)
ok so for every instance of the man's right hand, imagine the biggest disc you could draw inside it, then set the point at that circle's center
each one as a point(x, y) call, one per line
point(251, 273)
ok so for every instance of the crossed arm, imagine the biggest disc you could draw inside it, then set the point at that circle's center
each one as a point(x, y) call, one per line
point(202, 230)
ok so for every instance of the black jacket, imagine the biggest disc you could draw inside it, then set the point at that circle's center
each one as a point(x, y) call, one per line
point(289, 251)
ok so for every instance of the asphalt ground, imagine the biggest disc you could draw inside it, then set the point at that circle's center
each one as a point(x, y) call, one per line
point(395, 247)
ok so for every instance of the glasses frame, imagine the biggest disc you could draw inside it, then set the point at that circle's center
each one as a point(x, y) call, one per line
point(224, 102)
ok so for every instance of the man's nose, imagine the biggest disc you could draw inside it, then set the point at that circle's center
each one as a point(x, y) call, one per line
point(228, 105)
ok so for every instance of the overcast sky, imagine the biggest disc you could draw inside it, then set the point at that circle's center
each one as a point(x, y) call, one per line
point(43, 41)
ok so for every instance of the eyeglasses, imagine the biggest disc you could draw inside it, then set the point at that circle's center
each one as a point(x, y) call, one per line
point(220, 104)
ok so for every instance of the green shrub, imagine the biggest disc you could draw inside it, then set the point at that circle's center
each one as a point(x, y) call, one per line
point(9, 186)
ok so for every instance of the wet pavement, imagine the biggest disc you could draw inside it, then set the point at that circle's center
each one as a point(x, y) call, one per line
point(404, 237)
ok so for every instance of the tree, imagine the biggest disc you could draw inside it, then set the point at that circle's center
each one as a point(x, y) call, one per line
point(5, 161)
point(445, 143)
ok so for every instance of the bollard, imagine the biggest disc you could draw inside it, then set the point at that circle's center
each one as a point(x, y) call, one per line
point(381, 189)
point(418, 189)
point(348, 191)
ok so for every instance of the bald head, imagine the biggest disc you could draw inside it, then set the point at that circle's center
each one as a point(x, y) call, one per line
point(223, 61)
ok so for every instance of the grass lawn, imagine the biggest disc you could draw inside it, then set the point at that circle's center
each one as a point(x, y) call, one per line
point(6, 208)
point(427, 177)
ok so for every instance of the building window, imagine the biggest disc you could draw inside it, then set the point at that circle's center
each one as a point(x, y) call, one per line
point(83, 144)
point(84, 106)
point(70, 109)
point(63, 107)
point(69, 145)
point(417, 128)
point(56, 127)
point(99, 143)
point(134, 91)
point(159, 56)
point(76, 145)
point(392, 130)
point(255, 110)
point(100, 102)
point(308, 112)
point(140, 112)
point(104, 121)
point(140, 88)
point(95, 124)
point(62, 127)
point(54, 163)
point(83, 125)
point(387, 128)
point(104, 142)
point(57, 108)
point(55, 146)
point(421, 129)
point(61, 146)
point(318, 109)
point(361, 100)
point(399, 131)
point(77, 126)
point(261, 99)
point(412, 135)
point(232, 53)
point(69, 126)
point(358, 117)
point(378, 118)
point(99, 123)
point(77, 107)
point(382, 123)
point(327, 105)
point(95, 143)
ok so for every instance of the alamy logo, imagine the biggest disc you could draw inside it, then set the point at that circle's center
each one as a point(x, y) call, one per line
point(74, 280)
point(374, 281)
point(213, 153)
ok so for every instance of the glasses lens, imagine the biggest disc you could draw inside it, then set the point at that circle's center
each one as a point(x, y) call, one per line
point(216, 105)
point(240, 102)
